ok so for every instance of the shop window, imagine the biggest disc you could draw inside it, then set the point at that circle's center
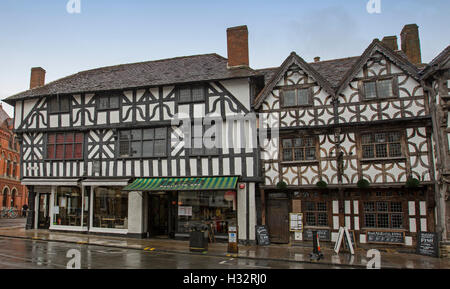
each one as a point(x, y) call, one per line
point(380, 88)
point(217, 209)
point(59, 104)
point(190, 94)
point(316, 214)
point(385, 215)
point(381, 145)
point(67, 207)
point(296, 97)
point(65, 146)
point(148, 142)
point(299, 149)
point(110, 208)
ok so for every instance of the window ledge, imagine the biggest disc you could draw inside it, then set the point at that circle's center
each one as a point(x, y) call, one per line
point(384, 159)
point(288, 163)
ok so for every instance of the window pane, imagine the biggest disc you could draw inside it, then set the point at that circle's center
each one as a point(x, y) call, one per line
point(78, 154)
point(103, 102)
point(311, 219)
point(160, 148)
point(396, 207)
point(395, 150)
point(396, 221)
point(394, 137)
point(50, 151)
point(368, 151)
point(287, 154)
point(149, 134)
point(310, 206)
point(114, 102)
point(308, 142)
point(69, 203)
point(69, 138)
point(287, 143)
point(383, 220)
point(185, 95)
point(303, 96)
point(322, 206)
point(322, 219)
point(124, 148)
point(382, 206)
point(136, 134)
point(51, 138)
point(369, 220)
point(60, 151)
point(289, 98)
point(69, 151)
point(298, 154)
point(310, 153)
point(367, 138)
point(380, 137)
point(198, 94)
point(53, 104)
point(148, 148)
point(370, 90)
point(110, 208)
point(369, 207)
point(298, 142)
point(64, 103)
point(60, 138)
point(124, 135)
point(381, 150)
point(385, 88)
point(79, 137)
point(136, 148)
point(160, 133)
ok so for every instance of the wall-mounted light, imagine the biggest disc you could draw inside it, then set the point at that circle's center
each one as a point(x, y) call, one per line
point(241, 186)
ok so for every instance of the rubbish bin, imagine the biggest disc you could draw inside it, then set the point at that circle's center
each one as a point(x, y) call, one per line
point(198, 238)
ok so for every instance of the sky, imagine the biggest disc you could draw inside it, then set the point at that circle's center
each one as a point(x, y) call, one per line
point(110, 32)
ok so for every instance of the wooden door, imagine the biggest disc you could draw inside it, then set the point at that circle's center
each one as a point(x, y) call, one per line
point(278, 220)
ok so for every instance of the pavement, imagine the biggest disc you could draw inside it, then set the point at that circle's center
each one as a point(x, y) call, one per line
point(390, 258)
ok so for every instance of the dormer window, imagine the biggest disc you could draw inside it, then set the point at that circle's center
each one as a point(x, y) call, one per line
point(59, 104)
point(296, 97)
point(379, 88)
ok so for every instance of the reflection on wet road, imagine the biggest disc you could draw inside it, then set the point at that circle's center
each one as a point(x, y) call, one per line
point(29, 254)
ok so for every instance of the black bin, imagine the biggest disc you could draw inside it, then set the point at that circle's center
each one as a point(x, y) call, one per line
point(198, 238)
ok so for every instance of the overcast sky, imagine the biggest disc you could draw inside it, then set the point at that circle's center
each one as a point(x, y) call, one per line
point(109, 32)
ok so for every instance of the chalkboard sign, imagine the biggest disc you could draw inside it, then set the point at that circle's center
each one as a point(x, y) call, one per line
point(386, 237)
point(262, 236)
point(352, 238)
point(324, 235)
point(427, 244)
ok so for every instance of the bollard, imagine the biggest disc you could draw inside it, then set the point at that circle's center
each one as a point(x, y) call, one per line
point(317, 253)
point(232, 240)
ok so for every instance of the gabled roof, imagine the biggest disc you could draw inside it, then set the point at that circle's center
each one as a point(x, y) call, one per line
point(437, 63)
point(205, 67)
point(293, 58)
point(393, 56)
point(335, 69)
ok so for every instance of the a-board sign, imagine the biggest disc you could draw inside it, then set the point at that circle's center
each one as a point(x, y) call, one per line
point(352, 237)
point(385, 237)
point(262, 235)
point(324, 234)
point(427, 244)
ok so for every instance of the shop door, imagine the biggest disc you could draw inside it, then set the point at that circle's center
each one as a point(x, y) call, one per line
point(278, 220)
point(43, 211)
point(158, 215)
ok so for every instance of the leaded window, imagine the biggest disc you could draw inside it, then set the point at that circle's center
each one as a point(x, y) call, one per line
point(190, 94)
point(381, 145)
point(316, 214)
point(381, 88)
point(387, 215)
point(299, 149)
point(108, 101)
point(296, 97)
point(65, 146)
point(59, 104)
point(147, 142)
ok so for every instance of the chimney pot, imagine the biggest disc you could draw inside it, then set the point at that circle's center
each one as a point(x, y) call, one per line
point(237, 44)
point(37, 78)
point(391, 42)
point(411, 43)
point(316, 59)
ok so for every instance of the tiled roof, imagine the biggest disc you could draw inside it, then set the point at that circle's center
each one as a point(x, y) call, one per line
point(151, 73)
point(334, 70)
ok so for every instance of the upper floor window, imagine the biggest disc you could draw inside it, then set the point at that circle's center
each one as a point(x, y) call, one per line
point(59, 104)
point(380, 88)
point(381, 145)
point(299, 149)
point(108, 101)
point(65, 146)
point(190, 94)
point(198, 146)
point(147, 142)
point(296, 97)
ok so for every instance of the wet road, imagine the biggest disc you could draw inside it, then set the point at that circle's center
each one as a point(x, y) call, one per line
point(30, 254)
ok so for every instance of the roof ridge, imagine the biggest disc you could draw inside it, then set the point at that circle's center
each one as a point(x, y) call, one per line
point(329, 60)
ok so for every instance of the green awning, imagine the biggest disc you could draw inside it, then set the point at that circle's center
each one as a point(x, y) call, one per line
point(182, 184)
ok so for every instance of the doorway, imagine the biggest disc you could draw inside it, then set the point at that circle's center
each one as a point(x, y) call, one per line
point(278, 220)
point(158, 215)
point(43, 216)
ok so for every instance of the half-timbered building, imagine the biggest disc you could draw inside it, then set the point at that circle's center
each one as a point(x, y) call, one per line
point(101, 151)
point(354, 146)
point(436, 80)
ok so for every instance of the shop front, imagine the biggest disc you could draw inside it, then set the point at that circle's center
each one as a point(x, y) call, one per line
point(173, 205)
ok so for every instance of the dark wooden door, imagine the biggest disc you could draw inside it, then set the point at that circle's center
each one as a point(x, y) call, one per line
point(43, 211)
point(278, 220)
point(158, 215)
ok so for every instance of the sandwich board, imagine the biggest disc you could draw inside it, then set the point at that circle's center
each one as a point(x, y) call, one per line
point(344, 235)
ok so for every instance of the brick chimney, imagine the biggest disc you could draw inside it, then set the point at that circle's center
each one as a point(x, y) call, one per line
point(391, 42)
point(37, 78)
point(237, 44)
point(411, 43)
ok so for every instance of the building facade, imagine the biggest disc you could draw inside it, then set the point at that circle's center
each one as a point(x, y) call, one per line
point(354, 148)
point(13, 193)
